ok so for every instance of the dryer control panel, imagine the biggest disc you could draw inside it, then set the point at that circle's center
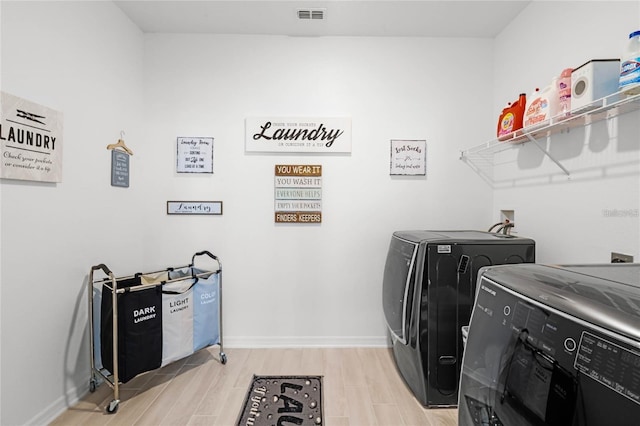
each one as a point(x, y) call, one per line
point(610, 365)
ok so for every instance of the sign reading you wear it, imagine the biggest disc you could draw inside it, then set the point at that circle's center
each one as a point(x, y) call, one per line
point(30, 141)
point(311, 135)
point(298, 193)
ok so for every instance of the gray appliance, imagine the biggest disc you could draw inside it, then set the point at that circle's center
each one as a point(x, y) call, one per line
point(553, 345)
point(428, 291)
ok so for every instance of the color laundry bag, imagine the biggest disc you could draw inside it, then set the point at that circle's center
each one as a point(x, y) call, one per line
point(206, 295)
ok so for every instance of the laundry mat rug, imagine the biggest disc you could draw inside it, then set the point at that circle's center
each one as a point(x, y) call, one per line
point(283, 400)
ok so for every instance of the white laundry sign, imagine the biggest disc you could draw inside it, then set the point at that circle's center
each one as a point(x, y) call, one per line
point(311, 135)
point(30, 141)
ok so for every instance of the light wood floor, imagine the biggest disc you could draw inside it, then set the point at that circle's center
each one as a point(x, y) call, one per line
point(361, 387)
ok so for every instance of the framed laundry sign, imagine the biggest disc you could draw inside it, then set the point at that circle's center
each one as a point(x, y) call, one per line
point(195, 155)
point(302, 135)
point(408, 157)
point(30, 140)
point(194, 207)
point(298, 193)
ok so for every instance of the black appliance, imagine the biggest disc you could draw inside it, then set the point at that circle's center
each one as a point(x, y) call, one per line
point(428, 293)
point(553, 345)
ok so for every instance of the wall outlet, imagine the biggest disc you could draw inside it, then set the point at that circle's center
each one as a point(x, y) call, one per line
point(621, 258)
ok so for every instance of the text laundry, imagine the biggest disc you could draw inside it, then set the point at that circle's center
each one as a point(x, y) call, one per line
point(320, 132)
point(27, 138)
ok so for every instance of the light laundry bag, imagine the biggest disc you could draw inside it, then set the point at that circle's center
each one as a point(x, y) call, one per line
point(177, 320)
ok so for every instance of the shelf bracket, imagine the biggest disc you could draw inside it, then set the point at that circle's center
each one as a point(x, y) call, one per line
point(532, 139)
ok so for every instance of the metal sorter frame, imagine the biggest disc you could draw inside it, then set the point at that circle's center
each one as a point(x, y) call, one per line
point(113, 379)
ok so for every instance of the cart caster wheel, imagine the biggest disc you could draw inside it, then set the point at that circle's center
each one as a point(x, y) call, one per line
point(113, 406)
point(223, 358)
point(92, 386)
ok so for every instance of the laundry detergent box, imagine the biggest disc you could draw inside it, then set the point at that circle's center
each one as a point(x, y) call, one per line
point(592, 81)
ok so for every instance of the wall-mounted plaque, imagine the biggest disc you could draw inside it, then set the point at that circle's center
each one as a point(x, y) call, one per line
point(408, 157)
point(195, 155)
point(30, 141)
point(305, 135)
point(119, 169)
point(298, 193)
point(194, 207)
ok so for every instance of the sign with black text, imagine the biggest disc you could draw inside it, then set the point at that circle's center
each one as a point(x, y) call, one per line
point(194, 207)
point(298, 193)
point(30, 140)
point(310, 135)
point(408, 157)
point(195, 155)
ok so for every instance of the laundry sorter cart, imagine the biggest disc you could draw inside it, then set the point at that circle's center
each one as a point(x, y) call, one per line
point(145, 321)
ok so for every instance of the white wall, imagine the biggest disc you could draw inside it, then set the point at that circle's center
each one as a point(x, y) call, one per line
point(84, 59)
point(583, 218)
point(318, 284)
point(284, 285)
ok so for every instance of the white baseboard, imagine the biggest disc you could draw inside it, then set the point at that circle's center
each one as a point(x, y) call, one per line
point(59, 406)
point(305, 342)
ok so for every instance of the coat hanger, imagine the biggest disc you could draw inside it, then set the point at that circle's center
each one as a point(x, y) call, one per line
point(120, 144)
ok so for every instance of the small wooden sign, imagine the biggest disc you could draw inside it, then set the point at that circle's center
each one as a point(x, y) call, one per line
point(119, 169)
point(298, 193)
point(194, 207)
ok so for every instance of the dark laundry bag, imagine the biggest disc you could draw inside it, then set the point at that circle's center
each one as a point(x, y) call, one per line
point(139, 329)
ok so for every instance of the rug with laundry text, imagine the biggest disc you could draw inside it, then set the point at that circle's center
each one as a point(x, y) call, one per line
point(283, 401)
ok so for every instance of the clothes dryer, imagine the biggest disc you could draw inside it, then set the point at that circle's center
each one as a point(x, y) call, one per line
point(428, 292)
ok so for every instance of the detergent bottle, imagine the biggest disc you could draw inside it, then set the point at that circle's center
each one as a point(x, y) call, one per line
point(540, 107)
point(564, 93)
point(630, 66)
point(511, 118)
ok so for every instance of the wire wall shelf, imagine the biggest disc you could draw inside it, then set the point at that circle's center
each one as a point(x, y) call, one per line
point(481, 158)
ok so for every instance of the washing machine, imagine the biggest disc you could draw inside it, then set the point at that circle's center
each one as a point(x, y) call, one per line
point(553, 345)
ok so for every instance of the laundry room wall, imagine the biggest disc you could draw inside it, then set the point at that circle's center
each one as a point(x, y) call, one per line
point(293, 285)
point(84, 59)
point(283, 284)
point(593, 212)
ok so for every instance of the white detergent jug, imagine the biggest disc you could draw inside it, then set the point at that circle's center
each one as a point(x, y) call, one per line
point(541, 106)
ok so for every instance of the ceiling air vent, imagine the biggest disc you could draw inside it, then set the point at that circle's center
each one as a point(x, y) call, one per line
point(312, 14)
